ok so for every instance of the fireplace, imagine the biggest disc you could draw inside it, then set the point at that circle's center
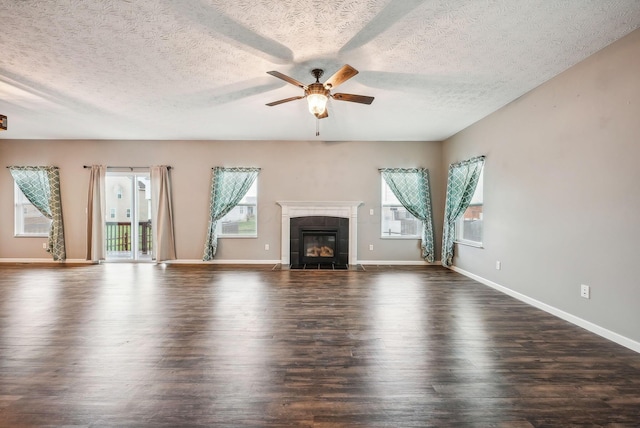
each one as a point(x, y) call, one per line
point(347, 238)
point(320, 242)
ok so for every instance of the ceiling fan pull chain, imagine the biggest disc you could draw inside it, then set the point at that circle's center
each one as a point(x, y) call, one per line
point(317, 127)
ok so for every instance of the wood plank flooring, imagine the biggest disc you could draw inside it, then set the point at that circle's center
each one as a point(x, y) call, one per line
point(145, 345)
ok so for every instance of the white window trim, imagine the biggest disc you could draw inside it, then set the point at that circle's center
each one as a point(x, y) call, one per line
point(406, 237)
point(468, 243)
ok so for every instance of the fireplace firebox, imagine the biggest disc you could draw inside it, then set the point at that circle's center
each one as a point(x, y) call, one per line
point(319, 246)
point(320, 242)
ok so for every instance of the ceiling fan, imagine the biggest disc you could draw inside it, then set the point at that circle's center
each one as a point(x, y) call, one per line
point(317, 94)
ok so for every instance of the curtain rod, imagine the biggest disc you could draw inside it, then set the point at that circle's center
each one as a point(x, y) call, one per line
point(402, 169)
point(241, 167)
point(124, 167)
point(466, 161)
point(30, 166)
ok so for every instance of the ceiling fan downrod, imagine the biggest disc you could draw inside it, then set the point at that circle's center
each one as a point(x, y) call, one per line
point(317, 73)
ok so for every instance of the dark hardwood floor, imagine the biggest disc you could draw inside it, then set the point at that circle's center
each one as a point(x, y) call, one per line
point(146, 345)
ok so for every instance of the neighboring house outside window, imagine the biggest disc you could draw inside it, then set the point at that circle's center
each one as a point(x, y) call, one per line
point(242, 220)
point(396, 221)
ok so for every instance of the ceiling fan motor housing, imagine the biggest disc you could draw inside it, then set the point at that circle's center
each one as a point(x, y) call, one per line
point(316, 89)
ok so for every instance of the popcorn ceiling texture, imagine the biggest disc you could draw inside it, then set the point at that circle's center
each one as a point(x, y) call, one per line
point(160, 69)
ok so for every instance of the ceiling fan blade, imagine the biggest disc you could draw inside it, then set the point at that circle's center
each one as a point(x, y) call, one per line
point(362, 99)
point(286, 78)
point(286, 100)
point(324, 114)
point(340, 76)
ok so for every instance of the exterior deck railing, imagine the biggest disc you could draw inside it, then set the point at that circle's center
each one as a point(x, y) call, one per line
point(119, 236)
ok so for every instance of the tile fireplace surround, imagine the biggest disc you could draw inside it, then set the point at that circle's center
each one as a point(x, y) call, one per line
point(343, 209)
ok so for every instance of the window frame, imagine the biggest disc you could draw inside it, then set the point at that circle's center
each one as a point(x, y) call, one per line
point(20, 203)
point(241, 205)
point(384, 203)
point(459, 224)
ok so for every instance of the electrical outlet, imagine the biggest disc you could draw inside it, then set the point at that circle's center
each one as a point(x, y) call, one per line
point(585, 291)
point(266, 247)
point(498, 265)
point(371, 247)
point(371, 211)
point(44, 245)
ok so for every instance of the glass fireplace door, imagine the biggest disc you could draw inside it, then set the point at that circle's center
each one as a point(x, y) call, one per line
point(319, 246)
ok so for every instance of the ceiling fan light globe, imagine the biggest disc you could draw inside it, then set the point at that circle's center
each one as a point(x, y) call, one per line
point(317, 103)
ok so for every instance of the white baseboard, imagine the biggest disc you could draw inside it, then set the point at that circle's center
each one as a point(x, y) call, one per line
point(277, 262)
point(49, 261)
point(225, 262)
point(221, 262)
point(181, 261)
point(397, 262)
point(587, 325)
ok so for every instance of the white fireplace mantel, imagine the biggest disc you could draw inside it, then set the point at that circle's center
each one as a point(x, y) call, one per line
point(343, 209)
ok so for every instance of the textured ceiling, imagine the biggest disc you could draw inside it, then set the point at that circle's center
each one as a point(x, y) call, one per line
point(165, 69)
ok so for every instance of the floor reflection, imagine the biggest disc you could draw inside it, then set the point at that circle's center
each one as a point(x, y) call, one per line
point(31, 317)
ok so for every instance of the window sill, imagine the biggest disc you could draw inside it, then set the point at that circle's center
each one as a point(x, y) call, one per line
point(237, 236)
point(46, 236)
point(401, 237)
point(469, 243)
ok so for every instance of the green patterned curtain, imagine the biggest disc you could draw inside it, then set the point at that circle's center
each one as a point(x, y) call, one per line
point(411, 187)
point(461, 184)
point(228, 187)
point(41, 186)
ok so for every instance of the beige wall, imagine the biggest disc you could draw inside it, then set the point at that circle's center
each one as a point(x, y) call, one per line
point(562, 202)
point(291, 170)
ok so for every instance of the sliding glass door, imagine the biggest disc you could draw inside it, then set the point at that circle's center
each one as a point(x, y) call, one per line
point(128, 216)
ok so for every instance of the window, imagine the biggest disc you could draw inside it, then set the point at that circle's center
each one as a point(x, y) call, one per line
point(128, 212)
point(241, 221)
point(112, 213)
point(396, 221)
point(29, 221)
point(469, 226)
